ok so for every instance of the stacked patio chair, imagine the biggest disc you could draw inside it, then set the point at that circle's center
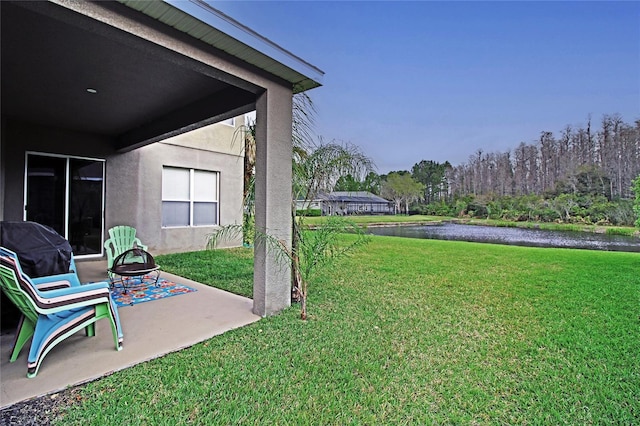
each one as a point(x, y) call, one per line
point(53, 308)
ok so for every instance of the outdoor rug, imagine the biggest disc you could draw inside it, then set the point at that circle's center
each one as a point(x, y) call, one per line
point(138, 292)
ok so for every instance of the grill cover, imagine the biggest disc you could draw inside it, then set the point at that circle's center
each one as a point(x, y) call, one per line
point(41, 250)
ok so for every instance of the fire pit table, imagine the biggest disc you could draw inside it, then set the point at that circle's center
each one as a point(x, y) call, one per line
point(134, 263)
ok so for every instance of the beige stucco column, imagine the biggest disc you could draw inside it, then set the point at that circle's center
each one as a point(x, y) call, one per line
point(272, 276)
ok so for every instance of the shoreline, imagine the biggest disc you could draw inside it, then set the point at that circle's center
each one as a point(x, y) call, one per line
point(595, 229)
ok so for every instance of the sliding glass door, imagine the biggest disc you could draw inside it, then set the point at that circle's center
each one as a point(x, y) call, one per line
point(67, 194)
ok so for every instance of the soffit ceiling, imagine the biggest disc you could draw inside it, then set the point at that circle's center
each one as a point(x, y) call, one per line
point(50, 59)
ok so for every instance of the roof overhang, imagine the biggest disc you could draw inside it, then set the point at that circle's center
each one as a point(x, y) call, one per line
point(202, 21)
point(54, 51)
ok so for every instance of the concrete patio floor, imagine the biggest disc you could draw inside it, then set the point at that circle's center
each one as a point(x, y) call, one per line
point(151, 329)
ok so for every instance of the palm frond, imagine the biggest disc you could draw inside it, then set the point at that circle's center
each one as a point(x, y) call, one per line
point(224, 233)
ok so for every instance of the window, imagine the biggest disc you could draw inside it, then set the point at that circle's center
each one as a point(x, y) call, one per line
point(189, 197)
point(229, 122)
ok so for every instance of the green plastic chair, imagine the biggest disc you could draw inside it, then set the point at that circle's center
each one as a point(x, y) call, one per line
point(121, 239)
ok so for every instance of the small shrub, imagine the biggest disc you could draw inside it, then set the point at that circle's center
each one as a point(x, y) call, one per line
point(309, 212)
point(477, 210)
point(629, 232)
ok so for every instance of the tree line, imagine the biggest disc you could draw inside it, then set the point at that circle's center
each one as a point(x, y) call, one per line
point(581, 175)
point(608, 156)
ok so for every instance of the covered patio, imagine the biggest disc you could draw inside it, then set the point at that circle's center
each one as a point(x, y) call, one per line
point(151, 329)
point(103, 81)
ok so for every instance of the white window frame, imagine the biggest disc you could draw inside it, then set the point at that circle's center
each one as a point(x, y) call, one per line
point(193, 199)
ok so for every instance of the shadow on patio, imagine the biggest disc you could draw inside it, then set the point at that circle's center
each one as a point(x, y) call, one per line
point(151, 329)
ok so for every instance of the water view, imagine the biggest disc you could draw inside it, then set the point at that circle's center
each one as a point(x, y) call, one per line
point(513, 236)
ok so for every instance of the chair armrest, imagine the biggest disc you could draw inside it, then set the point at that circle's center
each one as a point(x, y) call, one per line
point(52, 285)
point(71, 278)
point(52, 294)
point(64, 299)
point(137, 241)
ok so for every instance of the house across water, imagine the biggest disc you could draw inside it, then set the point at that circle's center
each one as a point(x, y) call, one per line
point(348, 203)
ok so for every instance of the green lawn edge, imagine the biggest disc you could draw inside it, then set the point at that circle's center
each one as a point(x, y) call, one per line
point(381, 220)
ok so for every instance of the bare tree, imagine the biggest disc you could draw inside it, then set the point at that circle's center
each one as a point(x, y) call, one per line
point(613, 154)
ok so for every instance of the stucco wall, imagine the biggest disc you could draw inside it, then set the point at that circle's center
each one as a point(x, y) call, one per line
point(133, 181)
point(134, 188)
point(218, 137)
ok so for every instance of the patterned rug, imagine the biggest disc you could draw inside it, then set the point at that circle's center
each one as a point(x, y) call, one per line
point(138, 292)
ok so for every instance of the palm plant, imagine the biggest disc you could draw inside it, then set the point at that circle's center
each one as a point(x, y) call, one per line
point(311, 250)
point(248, 135)
point(316, 169)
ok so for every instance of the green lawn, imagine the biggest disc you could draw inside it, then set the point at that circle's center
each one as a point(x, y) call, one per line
point(406, 331)
point(230, 269)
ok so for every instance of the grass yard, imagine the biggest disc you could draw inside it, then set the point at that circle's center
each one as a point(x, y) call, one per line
point(406, 331)
point(229, 269)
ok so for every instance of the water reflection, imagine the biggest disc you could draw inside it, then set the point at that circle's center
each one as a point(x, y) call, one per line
point(513, 236)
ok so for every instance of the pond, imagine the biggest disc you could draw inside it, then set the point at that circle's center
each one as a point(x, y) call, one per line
point(513, 236)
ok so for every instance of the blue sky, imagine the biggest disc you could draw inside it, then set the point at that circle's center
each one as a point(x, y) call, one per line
point(407, 81)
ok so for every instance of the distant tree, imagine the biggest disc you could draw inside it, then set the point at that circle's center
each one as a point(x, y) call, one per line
point(610, 155)
point(548, 161)
point(371, 183)
point(504, 175)
point(433, 176)
point(636, 203)
point(592, 181)
point(347, 183)
point(521, 170)
point(564, 205)
point(396, 172)
point(402, 189)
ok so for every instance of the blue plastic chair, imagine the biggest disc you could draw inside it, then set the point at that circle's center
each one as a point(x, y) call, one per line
point(53, 308)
